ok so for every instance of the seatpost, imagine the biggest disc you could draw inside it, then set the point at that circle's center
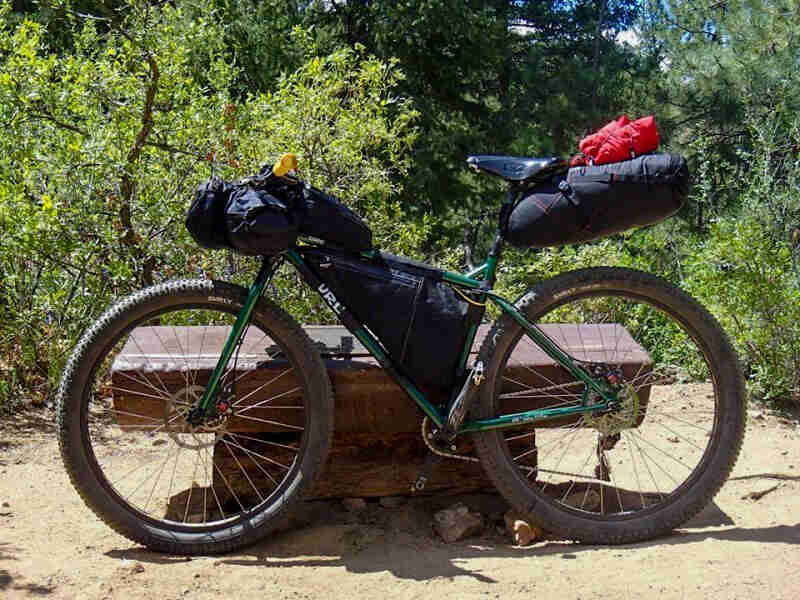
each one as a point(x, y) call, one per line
point(496, 250)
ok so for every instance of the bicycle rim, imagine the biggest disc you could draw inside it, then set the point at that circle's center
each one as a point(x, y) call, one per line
point(637, 463)
point(157, 466)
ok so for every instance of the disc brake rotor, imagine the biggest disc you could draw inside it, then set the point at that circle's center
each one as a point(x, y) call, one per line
point(620, 418)
point(176, 426)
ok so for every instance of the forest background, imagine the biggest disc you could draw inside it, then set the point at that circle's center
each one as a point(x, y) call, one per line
point(112, 112)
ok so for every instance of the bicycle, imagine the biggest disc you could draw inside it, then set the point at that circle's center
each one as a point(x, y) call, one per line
point(623, 439)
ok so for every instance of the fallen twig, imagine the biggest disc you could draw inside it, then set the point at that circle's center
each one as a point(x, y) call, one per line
point(761, 494)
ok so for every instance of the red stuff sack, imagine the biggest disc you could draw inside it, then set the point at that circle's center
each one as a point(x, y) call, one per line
point(621, 140)
point(591, 144)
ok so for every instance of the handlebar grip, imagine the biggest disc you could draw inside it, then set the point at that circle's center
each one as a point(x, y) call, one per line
point(286, 163)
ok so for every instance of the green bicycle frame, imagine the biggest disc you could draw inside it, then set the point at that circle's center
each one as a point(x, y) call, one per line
point(536, 334)
point(465, 281)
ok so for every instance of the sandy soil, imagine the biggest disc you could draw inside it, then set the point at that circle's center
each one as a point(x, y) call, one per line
point(52, 546)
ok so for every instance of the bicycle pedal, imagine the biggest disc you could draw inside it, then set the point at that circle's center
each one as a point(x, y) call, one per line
point(431, 460)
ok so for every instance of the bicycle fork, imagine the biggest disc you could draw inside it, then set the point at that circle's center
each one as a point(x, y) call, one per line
point(207, 405)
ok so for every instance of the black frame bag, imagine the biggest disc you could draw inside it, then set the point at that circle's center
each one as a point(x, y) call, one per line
point(421, 320)
point(596, 201)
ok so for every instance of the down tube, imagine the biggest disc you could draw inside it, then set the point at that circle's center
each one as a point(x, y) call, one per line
point(364, 336)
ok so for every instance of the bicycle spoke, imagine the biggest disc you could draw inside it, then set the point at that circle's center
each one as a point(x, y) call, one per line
point(261, 387)
point(269, 422)
point(242, 469)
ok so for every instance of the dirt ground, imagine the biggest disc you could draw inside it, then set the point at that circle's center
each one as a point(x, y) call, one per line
point(739, 547)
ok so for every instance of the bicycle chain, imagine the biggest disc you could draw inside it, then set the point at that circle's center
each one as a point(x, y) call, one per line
point(435, 450)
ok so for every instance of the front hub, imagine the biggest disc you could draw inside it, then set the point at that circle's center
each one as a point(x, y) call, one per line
point(186, 424)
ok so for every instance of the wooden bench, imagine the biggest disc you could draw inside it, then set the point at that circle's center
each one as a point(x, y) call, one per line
point(377, 449)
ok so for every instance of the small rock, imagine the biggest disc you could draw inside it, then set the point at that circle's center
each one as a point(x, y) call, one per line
point(392, 501)
point(520, 529)
point(457, 522)
point(137, 568)
point(674, 439)
point(6, 505)
point(354, 504)
point(159, 442)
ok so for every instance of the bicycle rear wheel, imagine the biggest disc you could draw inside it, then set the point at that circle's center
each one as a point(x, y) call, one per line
point(638, 471)
point(135, 459)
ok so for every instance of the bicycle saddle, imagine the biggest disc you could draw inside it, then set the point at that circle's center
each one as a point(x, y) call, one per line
point(512, 168)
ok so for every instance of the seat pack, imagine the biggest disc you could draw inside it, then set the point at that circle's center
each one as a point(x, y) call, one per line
point(595, 201)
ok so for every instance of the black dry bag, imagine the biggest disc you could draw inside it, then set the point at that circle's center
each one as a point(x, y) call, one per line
point(595, 201)
point(323, 216)
point(258, 223)
point(205, 219)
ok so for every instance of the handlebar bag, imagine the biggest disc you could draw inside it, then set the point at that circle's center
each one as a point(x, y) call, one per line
point(324, 217)
point(596, 201)
point(258, 223)
point(263, 216)
point(205, 218)
point(421, 321)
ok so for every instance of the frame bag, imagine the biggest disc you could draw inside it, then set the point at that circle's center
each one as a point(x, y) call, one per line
point(420, 320)
point(596, 201)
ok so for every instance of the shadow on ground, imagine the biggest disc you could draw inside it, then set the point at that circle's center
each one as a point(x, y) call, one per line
point(7, 552)
point(381, 539)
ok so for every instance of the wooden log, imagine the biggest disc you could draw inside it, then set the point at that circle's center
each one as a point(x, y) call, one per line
point(367, 399)
point(377, 449)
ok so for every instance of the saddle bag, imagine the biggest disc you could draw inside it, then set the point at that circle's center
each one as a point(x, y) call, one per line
point(596, 201)
point(420, 320)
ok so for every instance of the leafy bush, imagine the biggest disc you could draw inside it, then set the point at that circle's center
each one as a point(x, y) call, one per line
point(104, 144)
point(747, 269)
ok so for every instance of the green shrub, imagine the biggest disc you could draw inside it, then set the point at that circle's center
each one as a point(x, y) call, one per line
point(104, 144)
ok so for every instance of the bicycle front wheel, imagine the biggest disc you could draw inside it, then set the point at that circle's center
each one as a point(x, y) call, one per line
point(130, 450)
point(650, 464)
